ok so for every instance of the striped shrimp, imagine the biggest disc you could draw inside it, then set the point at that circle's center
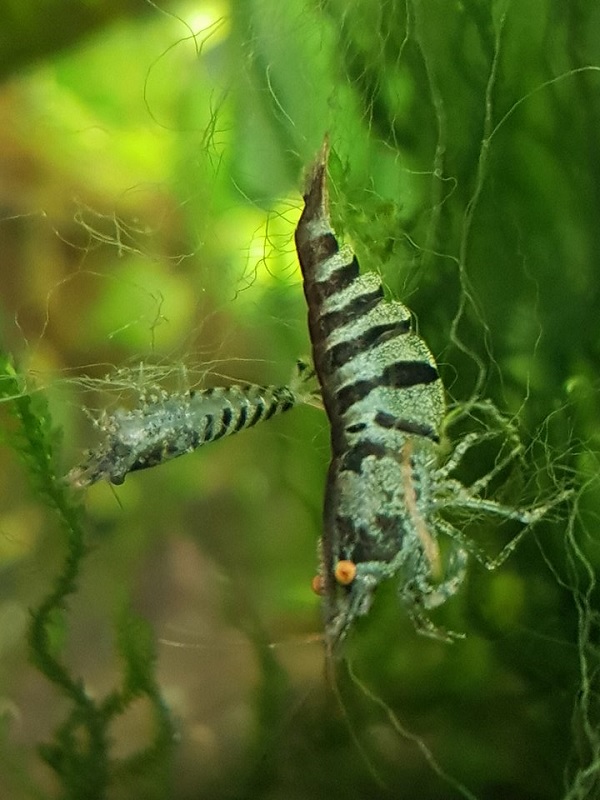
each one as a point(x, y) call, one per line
point(176, 424)
point(385, 403)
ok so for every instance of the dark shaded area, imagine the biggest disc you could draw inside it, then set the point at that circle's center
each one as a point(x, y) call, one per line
point(31, 32)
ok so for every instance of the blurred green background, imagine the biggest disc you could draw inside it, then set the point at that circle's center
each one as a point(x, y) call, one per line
point(151, 163)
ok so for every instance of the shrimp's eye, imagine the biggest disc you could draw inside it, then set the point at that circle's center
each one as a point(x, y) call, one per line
point(345, 572)
point(318, 585)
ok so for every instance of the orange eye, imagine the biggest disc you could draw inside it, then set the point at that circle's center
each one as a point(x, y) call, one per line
point(345, 572)
point(318, 585)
